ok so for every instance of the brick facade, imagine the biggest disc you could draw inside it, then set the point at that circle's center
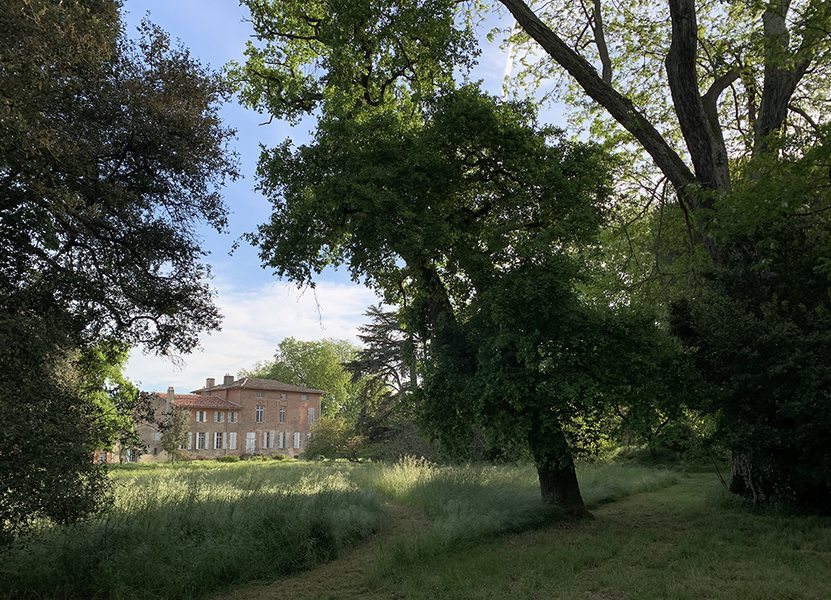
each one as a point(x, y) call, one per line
point(244, 415)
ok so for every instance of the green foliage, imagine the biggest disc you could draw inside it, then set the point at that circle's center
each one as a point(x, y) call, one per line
point(175, 434)
point(473, 220)
point(228, 458)
point(252, 456)
point(334, 438)
point(348, 57)
point(116, 398)
point(317, 364)
point(111, 152)
point(760, 336)
point(50, 429)
point(108, 157)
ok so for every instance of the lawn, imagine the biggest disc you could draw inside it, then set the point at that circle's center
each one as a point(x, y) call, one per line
point(257, 530)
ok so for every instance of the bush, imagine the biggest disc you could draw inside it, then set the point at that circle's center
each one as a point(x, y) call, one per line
point(230, 458)
point(252, 456)
point(279, 457)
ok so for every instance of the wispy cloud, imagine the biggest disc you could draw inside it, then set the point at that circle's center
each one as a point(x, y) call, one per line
point(256, 320)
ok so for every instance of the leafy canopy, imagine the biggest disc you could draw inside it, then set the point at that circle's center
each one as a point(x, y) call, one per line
point(317, 364)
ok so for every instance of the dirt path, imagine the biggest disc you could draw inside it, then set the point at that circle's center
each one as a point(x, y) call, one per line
point(346, 577)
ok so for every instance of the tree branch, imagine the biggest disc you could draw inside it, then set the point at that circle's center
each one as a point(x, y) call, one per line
point(621, 108)
point(703, 137)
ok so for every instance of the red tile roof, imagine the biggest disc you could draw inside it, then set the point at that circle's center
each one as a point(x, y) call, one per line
point(251, 383)
point(200, 401)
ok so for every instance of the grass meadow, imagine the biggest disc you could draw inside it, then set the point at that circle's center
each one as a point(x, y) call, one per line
point(197, 530)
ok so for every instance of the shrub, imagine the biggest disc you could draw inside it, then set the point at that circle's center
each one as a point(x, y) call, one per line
point(230, 458)
point(251, 456)
point(279, 457)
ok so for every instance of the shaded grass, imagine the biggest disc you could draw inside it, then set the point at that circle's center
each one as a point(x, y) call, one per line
point(185, 532)
point(670, 544)
point(477, 502)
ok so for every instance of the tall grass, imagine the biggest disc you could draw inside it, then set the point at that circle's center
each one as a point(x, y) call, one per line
point(186, 532)
point(189, 530)
point(474, 502)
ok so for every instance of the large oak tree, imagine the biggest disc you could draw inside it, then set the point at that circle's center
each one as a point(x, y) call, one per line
point(709, 97)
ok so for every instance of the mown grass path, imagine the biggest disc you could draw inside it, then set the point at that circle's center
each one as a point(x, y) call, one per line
point(346, 577)
point(664, 545)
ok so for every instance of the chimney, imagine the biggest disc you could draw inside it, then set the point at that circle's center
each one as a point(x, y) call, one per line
point(229, 379)
point(210, 382)
point(171, 395)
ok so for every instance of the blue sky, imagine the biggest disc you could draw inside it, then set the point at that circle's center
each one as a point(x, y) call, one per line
point(259, 310)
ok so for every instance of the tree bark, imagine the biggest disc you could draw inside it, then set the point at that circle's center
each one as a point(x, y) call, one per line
point(703, 136)
point(745, 481)
point(555, 469)
point(783, 71)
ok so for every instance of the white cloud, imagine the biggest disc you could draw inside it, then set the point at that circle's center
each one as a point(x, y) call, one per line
point(255, 321)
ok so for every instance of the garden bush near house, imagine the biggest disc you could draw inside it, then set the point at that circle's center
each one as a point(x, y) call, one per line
point(228, 458)
point(252, 456)
point(187, 532)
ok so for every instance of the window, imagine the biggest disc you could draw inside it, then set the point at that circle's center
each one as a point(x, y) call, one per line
point(201, 416)
point(232, 440)
point(102, 458)
point(260, 414)
point(155, 451)
point(281, 441)
point(267, 439)
point(157, 436)
point(260, 394)
point(190, 440)
point(304, 397)
point(282, 396)
point(219, 416)
point(200, 441)
point(282, 414)
point(232, 417)
point(219, 439)
point(311, 414)
point(250, 440)
point(296, 439)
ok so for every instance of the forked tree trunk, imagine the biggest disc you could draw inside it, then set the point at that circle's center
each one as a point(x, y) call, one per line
point(555, 468)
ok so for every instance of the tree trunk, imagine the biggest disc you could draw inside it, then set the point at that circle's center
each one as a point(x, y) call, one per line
point(744, 480)
point(555, 468)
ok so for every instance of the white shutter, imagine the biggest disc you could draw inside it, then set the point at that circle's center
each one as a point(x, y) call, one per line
point(190, 440)
point(232, 440)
